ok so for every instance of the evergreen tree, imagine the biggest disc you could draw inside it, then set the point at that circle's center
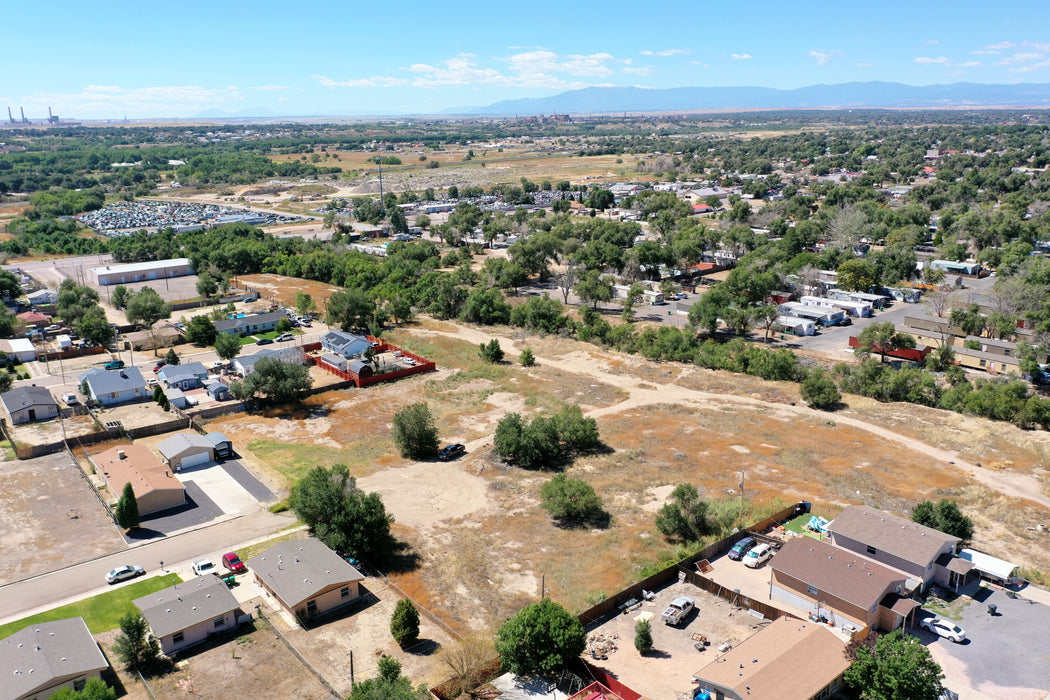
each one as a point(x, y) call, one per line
point(127, 511)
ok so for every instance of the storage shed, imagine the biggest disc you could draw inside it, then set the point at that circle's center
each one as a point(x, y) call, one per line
point(222, 444)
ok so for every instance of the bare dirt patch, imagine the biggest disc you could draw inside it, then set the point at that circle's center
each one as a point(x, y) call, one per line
point(282, 290)
point(49, 518)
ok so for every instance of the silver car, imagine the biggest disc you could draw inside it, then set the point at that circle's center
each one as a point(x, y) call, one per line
point(123, 573)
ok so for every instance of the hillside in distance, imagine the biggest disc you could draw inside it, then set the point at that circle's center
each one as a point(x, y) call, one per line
point(846, 95)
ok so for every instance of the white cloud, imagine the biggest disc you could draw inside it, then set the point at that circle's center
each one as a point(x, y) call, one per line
point(1001, 46)
point(95, 101)
point(984, 52)
point(927, 59)
point(374, 81)
point(665, 52)
point(640, 70)
point(1030, 68)
point(1038, 46)
point(741, 56)
point(823, 55)
point(1023, 57)
point(969, 64)
point(932, 42)
point(273, 87)
point(865, 65)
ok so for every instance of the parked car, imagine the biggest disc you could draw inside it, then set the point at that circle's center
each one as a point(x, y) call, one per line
point(233, 563)
point(159, 366)
point(151, 382)
point(677, 610)
point(204, 566)
point(741, 548)
point(123, 573)
point(285, 336)
point(757, 556)
point(943, 628)
point(70, 399)
point(114, 364)
point(410, 362)
point(264, 341)
point(451, 452)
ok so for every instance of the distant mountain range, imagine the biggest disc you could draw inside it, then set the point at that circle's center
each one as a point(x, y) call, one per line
point(846, 95)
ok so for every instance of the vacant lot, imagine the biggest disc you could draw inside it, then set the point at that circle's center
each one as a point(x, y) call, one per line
point(282, 290)
point(49, 518)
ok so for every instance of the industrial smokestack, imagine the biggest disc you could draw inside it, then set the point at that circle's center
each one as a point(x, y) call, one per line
point(23, 110)
point(10, 116)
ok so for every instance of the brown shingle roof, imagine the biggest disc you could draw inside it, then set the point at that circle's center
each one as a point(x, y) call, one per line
point(891, 534)
point(837, 572)
point(296, 570)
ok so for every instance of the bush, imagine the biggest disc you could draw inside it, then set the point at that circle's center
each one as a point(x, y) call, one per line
point(543, 638)
point(414, 432)
point(526, 358)
point(404, 623)
point(643, 637)
point(572, 501)
point(545, 440)
point(819, 391)
point(687, 517)
point(491, 351)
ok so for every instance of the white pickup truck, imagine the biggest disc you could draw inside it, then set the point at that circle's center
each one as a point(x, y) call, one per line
point(677, 610)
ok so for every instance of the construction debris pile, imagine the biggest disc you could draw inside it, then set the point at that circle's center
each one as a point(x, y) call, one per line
point(600, 644)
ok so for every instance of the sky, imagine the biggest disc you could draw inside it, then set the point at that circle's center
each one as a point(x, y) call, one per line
point(116, 59)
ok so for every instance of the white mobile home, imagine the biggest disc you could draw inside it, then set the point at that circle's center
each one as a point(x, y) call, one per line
point(795, 326)
point(823, 316)
point(857, 309)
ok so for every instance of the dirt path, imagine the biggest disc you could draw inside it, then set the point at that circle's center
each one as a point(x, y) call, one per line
point(640, 393)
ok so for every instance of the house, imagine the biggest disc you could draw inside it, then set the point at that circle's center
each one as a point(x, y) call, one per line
point(142, 271)
point(163, 334)
point(835, 583)
point(216, 389)
point(185, 450)
point(185, 377)
point(994, 362)
point(222, 445)
point(29, 403)
point(345, 344)
point(111, 387)
point(34, 319)
point(176, 398)
point(156, 488)
point(248, 325)
point(788, 660)
point(42, 297)
point(895, 542)
point(39, 660)
point(305, 577)
point(188, 613)
point(22, 348)
point(246, 365)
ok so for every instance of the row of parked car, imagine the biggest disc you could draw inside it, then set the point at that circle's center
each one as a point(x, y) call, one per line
point(201, 567)
point(752, 552)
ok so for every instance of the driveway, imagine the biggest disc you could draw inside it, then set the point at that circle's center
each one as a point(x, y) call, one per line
point(1006, 656)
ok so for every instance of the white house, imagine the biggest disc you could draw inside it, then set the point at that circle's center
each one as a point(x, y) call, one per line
point(110, 387)
point(22, 348)
point(42, 297)
point(346, 345)
point(142, 271)
point(25, 404)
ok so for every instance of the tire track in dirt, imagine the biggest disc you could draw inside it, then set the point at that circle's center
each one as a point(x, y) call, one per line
point(1020, 486)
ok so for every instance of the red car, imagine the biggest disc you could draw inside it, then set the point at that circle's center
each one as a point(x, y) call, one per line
point(233, 562)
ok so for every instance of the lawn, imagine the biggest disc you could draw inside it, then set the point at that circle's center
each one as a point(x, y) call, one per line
point(101, 613)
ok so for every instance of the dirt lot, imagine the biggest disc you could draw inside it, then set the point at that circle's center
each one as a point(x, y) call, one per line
point(282, 289)
point(669, 668)
point(135, 415)
point(49, 518)
point(46, 432)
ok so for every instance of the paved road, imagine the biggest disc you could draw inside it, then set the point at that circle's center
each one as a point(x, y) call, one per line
point(28, 596)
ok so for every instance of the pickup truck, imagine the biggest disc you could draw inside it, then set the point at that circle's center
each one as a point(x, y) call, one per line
point(677, 610)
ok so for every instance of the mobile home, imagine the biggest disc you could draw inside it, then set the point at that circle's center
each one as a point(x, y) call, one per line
point(795, 326)
point(823, 316)
point(857, 309)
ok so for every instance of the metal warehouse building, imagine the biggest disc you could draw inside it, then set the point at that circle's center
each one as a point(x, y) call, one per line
point(141, 272)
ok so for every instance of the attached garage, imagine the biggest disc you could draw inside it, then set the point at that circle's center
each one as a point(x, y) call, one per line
point(185, 450)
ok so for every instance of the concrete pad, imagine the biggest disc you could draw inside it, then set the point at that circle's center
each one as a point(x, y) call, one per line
point(221, 488)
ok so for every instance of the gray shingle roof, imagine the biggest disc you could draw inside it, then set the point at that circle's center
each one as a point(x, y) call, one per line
point(292, 354)
point(112, 381)
point(172, 373)
point(891, 534)
point(345, 343)
point(837, 572)
point(186, 604)
point(45, 652)
point(26, 396)
point(296, 570)
point(180, 442)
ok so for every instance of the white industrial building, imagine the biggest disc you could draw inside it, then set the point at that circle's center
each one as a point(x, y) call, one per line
point(143, 271)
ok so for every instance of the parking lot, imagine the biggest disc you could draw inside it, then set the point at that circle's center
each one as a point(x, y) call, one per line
point(669, 668)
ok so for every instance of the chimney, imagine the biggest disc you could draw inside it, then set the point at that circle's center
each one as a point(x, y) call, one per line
point(121, 454)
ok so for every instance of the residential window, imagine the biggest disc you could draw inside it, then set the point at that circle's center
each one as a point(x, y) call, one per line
point(812, 590)
point(177, 638)
point(344, 592)
point(79, 684)
point(871, 550)
point(220, 622)
point(311, 607)
point(983, 362)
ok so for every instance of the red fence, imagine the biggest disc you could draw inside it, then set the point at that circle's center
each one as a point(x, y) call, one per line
point(422, 365)
point(910, 354)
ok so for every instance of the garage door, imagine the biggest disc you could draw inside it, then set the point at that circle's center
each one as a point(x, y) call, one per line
point(194, 460)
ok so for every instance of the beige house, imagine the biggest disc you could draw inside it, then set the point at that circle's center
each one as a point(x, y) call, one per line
point(788, 660)
point(191, 612)
point(306, 577)
point(156, 488)
point(39, 660)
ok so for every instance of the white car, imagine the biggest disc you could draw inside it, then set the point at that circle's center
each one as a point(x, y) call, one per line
point(123, 573)
point(204, 566)
point(943, 628)
point(757, 556)
point(284, 337)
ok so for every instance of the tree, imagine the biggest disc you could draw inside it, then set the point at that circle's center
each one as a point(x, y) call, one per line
point(466, 661)
point(883, 338)
point(171, 357)
point(404, 623)
point(276, 380)
point(541, 639)
point(206, 285)
point(342, 516)
point(857, 275)
point(119, 298)
point(686, 518)
point(94, 689)
point(629, 301)
point(576, 432)
point(529, 445)
point(895, 667)
point(398, 222)
point(945, 517)
point(284, 325)
point(201, 331)
point(593, 288)
point(93, 326)
point(572, 502)
point(819, 390)
point(492, 352)
point(414, 432)
point(526, 358)
point(126, 513)
point(227, 346)
point(643, 637)
point(146, 307)
point(352, 309)
point(74, 301)
point(137, 649)
point(304, 303)
point(388, 685)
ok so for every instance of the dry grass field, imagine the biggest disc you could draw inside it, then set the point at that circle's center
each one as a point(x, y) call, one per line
point(486, 545)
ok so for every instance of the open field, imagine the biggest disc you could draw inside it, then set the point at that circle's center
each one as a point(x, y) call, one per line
point(486, 545)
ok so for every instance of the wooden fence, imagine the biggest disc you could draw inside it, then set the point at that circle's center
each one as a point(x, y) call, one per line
point(733, 596)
